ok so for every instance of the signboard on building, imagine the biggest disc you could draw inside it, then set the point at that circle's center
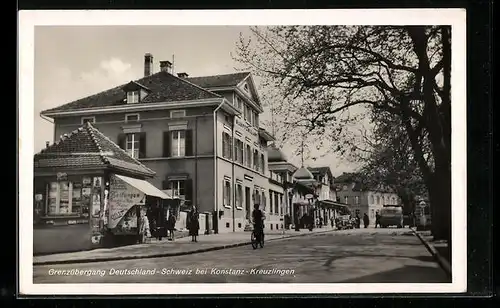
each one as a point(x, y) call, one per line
point(122, 197)
point(309, 196)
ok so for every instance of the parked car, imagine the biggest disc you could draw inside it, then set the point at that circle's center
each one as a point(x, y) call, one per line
point(391, 216)
point(344, 222)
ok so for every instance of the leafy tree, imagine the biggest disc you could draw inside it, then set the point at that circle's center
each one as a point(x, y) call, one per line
point(324, 78)
point(389, 161)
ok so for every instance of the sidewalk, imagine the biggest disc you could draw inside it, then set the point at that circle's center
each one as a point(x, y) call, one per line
point(164, 248)
point(438, 249)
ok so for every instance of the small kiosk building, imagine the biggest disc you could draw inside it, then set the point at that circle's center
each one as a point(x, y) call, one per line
point(88, 192)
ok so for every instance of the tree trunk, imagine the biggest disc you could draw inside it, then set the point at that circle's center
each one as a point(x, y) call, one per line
point(440, 199)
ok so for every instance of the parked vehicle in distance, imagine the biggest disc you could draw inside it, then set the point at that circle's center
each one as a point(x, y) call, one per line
point(391, 215)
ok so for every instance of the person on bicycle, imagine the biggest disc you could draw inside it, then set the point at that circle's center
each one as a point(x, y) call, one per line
point(258, 220)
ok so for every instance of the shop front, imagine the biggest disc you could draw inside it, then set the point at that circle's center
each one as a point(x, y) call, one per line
point(129, 199)
point(86, 190)
point(66, 212)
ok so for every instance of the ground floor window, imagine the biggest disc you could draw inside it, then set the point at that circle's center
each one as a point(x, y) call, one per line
point(239, 196)
point(177, 188)
point(69, 198)
point(277, 203)
point(227, 193)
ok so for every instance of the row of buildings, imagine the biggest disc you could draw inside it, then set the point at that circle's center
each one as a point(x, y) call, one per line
point(193, 139)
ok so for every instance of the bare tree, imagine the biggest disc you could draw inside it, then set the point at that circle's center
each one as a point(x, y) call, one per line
point(324, 73)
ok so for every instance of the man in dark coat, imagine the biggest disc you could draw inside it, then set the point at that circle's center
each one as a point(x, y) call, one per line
point(366, 220)
point(193, 224)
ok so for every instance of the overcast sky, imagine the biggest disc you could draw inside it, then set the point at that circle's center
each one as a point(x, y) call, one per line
point(74, 62)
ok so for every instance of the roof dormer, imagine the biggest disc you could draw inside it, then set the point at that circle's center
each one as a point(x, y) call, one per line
point(135, 92)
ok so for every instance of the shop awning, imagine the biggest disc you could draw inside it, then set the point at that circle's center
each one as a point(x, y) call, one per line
point(144, 186)
point(331, 203)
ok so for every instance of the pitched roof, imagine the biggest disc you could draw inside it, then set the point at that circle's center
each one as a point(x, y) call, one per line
point(275, 155)
point(219, 81)
point(321, 170)
point(162, 86)
point(303, 174)
point(87, 147)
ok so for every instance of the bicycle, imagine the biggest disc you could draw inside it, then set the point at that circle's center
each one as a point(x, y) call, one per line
point(257, 238)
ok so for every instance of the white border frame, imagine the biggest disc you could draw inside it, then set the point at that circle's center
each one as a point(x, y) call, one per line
point(29, 19)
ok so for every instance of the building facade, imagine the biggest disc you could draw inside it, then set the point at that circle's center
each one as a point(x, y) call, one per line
point(200, 135)
point(362, 198)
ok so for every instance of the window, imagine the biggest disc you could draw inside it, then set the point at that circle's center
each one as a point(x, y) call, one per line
point(372, 199)
point(132, 97)
point(271, 208)
point(132, 117)
point(88, 119)
point(256, 124)
point(227, 193)
point(226, 145)
point(245, 113)
point(239, 196)
point(178, 144)
point(263, 200)
point(177, 189)
point(256, 162)
point(378, 199)
point(357, 200)
point(65, 198)
point(256, 196)
point(238, 103)
point(346, 199)
point(263, 164)
point(238, 151)
point(177, 113)
point(372, 213)
point(393, 200)
point(276, 203)
point(249, 156)
point(132, 145)
point(252, 117)
point(245, 87)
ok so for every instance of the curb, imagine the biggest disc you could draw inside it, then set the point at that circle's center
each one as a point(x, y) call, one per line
point(445, 265)
point(167, 254)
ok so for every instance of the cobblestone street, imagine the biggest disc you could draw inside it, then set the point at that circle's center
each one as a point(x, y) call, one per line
point(350, 256)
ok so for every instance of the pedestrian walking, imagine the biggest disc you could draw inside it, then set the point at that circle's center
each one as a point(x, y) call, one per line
point(377, 219)
point(193, 224)
point(321, 222)
point(331, 221)
point(358, 221)
point(144, 231)
point(171, 226)
point(366, 220)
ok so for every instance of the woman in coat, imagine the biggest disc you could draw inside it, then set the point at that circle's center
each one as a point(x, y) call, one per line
point(171, 226)
point(193, 224)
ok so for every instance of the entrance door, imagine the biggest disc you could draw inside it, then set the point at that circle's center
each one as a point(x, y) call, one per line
point(248, 207)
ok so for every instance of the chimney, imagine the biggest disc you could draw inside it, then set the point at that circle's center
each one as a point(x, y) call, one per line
point(47, 144)
point(148, 64)
point(183, 75)
point(166, 66)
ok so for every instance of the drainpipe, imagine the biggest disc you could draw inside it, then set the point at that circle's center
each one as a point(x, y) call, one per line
point(51, 122)
point(216, 204)
point(232, 175)
point(196, 161)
